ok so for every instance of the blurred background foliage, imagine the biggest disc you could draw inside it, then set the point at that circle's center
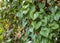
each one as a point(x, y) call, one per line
point(29, 21)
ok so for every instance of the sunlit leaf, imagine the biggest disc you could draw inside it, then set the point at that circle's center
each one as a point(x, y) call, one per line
point(1, 30)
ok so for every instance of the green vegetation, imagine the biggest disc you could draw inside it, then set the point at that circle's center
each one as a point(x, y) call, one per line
point(29, 21)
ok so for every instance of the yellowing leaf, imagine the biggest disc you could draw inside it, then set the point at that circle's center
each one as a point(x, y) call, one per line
point(1, 29)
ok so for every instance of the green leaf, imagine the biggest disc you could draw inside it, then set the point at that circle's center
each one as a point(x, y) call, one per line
point(9, 40)
point(56, 17)
point(41, 5)
point(44, 40)
point(51, 35)
point(36, 25)
point(53, 9)
point(54, 25)
point(45, 32)
point(42, 10)
point(44, 21)
point(24, 22)
point(32, 10)
point(1, 38)
point(31, 1)
point(25, 11)
point(36, 15)
point(19, 14)
point(25, 6)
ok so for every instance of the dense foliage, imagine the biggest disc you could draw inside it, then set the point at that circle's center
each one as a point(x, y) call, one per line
point(29, 21)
